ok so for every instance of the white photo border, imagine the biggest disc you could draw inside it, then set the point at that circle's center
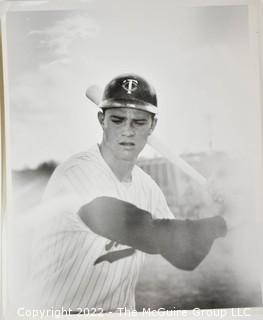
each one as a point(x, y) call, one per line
point(255, 10)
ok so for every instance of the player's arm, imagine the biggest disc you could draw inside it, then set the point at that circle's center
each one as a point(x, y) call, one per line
point(184, 243)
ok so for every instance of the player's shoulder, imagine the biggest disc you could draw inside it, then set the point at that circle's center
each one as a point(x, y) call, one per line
point(77, 164)
point(80, 159)
point(78, 167)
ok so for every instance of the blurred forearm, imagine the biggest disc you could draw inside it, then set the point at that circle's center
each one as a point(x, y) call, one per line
point(184, 243)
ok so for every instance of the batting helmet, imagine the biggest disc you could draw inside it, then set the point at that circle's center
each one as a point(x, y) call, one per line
point(130, 91)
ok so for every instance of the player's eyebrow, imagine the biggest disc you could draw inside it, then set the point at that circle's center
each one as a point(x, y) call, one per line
point(117, 117)
point(137, 118)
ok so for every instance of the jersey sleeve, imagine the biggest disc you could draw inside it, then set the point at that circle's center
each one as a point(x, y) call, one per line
point(161, 209)
point(157, 204)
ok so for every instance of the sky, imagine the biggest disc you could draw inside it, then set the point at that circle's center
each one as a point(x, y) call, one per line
point(198, 59)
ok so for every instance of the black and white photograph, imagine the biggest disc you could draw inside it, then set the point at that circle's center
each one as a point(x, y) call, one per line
point(134, 158)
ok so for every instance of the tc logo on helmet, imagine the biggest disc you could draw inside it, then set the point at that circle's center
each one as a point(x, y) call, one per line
point(130, 85)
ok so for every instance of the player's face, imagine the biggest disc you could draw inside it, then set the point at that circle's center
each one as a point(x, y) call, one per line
point(125, 131)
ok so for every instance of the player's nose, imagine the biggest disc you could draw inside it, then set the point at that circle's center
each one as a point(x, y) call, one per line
point(128, 129)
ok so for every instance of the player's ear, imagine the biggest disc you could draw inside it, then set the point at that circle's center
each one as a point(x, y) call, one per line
point(153, 125)
point(101, 117)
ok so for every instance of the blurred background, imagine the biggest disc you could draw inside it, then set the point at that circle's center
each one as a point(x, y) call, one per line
point(200, 61)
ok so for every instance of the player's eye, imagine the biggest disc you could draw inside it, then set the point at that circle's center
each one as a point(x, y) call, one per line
point(140, 122)
point(117, 120)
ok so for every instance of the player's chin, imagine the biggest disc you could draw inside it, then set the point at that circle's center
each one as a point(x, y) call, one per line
point(129, 155)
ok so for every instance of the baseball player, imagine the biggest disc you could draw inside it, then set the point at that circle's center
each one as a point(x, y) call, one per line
point(90, 253)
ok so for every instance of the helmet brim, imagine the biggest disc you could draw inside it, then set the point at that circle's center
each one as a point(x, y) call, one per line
point(133, 104)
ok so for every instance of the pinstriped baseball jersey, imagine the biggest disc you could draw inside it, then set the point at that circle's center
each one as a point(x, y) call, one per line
point(63, 261)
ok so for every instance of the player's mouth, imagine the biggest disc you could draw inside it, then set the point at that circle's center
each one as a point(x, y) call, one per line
point(127, 145)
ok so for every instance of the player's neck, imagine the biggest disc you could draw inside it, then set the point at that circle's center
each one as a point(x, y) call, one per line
point(121, 168)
